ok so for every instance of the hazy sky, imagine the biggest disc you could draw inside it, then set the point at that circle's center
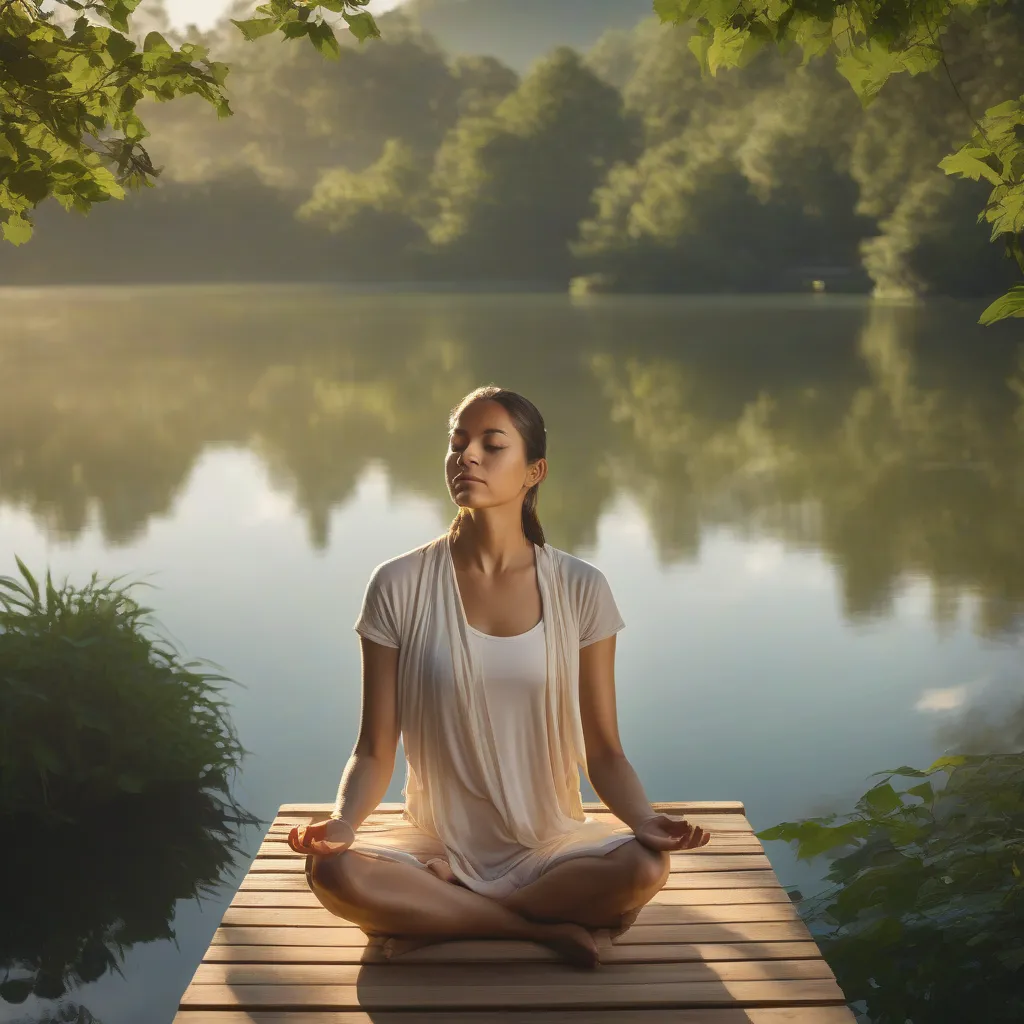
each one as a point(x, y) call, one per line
point(205, 12)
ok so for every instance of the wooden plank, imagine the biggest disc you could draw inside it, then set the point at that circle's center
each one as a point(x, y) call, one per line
point(651, 914)
point(508, 951)
point(720, 822)
point(589, 807)
point(489, 997)
point(694, 860)
point(440, 978)
point(717, 1015)
point(352, 937)
point(665, 897)
point(295, 881)
point(720, 843)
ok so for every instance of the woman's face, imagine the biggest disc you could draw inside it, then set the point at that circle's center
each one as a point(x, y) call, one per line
point(486, 447)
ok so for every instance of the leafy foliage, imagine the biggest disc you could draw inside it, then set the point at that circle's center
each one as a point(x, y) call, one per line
point(872, 41)
point(95, 707)
point(69, 92)
point(924, 921)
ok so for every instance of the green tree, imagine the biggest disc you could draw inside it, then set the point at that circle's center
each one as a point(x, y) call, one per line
point(873, 40)
point(378, 212)
point(71, 79)
point(512, 188)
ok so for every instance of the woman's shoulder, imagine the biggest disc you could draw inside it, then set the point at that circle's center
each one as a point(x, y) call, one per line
point(407, 565)
point(575, 570)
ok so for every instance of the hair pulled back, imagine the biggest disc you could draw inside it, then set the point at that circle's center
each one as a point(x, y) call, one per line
point(528, 421)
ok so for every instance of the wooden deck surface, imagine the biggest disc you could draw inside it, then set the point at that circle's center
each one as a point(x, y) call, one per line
point(720, 944)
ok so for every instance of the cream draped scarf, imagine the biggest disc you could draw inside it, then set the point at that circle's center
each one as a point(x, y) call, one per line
point(435, 628)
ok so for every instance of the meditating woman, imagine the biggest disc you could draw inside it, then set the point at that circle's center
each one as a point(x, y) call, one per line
point(492, 655)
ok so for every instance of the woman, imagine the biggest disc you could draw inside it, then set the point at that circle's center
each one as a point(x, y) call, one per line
point(492, 654)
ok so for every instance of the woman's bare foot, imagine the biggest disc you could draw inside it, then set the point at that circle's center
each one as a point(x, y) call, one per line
point(396, 945)
point(626, 922)
point(572, 942)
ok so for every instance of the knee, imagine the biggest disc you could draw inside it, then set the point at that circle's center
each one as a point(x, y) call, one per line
point(332, 875)
point(650, 868)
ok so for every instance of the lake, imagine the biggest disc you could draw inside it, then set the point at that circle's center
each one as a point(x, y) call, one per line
point(809, 510)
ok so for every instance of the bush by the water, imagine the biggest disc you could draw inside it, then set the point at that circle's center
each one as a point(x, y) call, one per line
point(924, 920)
point(96, 705)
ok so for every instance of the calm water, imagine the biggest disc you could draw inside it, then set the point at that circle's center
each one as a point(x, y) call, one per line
point(809, 512)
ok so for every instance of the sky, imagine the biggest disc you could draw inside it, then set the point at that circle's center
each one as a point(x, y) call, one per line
point(205, 13)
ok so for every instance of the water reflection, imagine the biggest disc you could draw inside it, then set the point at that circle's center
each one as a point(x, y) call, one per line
point(79, 897)
point(892, 439)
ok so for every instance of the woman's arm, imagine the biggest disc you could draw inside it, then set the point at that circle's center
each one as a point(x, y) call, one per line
point(369, 769)
point(612, 776)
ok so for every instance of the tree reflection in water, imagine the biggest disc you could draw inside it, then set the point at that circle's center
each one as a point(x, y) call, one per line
point(78, 898)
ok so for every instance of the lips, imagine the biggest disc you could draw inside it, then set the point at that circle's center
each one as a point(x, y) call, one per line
point(466, 480)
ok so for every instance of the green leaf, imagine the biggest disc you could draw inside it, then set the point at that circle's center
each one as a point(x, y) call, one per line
point(120, 47)
point(883, 799)
point(967, 162)
point(867, 69)
point(155, 43)
point(924, 791)
point(1008, 305)
point(295, 29)
point(255, 27)
point(945, 763)
point(675, 11)
point(29, 578)
point(321, 35)
point(727, 48)
point(362, 26)
point(699, 45)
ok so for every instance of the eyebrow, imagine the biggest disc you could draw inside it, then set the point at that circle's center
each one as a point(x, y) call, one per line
point(489, 430)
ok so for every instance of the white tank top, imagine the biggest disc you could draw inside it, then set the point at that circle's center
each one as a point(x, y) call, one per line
point(514, 670)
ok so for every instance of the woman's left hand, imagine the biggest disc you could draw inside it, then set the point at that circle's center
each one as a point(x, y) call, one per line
point(665, 832)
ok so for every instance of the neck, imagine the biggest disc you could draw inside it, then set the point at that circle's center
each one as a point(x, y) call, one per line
point(490, 543)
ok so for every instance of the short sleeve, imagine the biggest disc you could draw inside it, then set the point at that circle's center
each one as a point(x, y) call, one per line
point(599, 615)
point(378, 618)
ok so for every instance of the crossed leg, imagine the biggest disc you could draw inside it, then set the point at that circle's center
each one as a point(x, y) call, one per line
point(558, 909)
point(602, 891)
point(388, 898)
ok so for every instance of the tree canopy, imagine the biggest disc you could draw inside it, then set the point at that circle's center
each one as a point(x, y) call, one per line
point(872, 40)
point(72, 77)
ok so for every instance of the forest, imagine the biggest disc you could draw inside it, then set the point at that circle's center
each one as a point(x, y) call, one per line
point(609, 161)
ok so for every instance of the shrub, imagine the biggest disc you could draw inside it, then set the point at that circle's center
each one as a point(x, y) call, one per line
point(924, 920)
point(95, 707)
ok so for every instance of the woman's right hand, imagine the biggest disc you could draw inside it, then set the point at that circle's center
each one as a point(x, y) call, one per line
point(322, 837)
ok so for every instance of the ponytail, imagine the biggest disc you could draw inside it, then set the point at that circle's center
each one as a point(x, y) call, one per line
point(531, 523)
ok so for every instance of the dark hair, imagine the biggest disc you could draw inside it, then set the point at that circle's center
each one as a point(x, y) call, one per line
point(530, 424)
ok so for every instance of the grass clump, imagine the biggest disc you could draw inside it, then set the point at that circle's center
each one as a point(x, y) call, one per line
point(97, 706)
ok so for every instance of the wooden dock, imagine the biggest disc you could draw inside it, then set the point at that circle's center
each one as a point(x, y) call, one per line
point(720, 944)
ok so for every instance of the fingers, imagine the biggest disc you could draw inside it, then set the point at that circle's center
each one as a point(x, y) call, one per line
point(692, 837)
point(302, 839)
